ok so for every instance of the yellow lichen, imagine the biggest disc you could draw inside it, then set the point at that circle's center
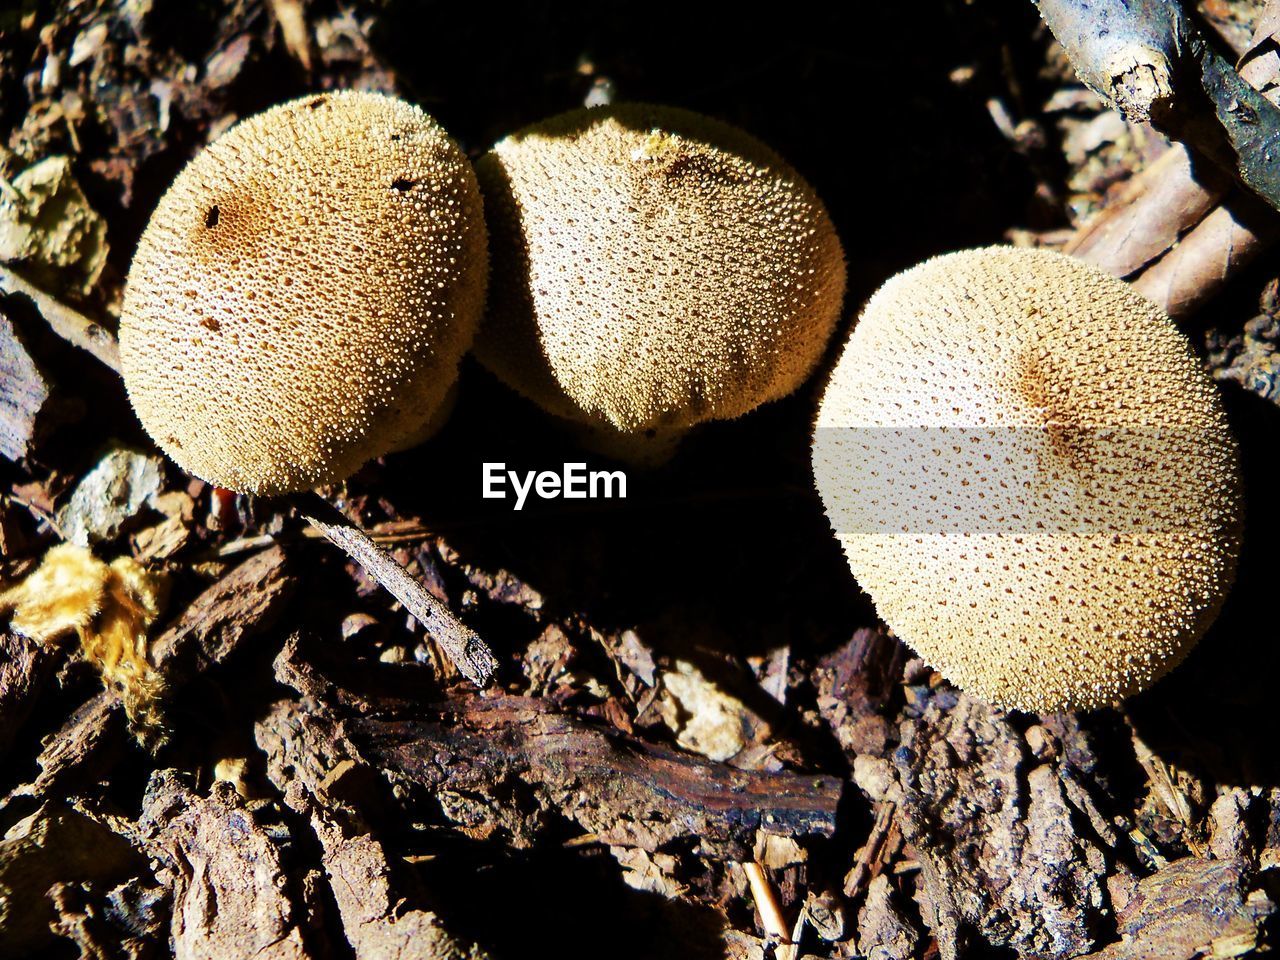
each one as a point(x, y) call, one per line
point(110, 607)
point(64, 593)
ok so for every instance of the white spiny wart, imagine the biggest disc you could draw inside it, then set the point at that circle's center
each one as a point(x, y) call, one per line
point(303, 293)
point(653, 269)
point(1032, 476)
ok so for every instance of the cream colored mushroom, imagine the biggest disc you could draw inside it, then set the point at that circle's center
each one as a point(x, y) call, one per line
point(1032, 476)
point(653, 269)
point(303, 293)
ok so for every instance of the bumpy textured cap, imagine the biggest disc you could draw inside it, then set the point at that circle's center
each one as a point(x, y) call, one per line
point(653, 269)
point(1032, 476)
point(301, 297)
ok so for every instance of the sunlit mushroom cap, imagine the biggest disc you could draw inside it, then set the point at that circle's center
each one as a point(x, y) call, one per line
point(653, 269)
point(301, 297)
point(1032, 476)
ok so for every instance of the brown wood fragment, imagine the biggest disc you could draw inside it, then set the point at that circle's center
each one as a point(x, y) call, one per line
point(624, 790)
point(993, 831)
point(82, 919)
point(885, 930)
point(23, 393)
point(855, 682)
point(882, 844)
point(505, 767)
point(84, 746)
point(1191, 908)
point(225, 872)
point(375, 915)
point(463, 646)
point(54, 844)
point(243, 604)
point(70, 324)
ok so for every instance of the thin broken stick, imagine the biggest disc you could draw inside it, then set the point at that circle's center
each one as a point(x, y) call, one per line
point(1149, 60)
point(856, 881)
point(1180, 229)
point(462, 645)
point(775, 925)
point(71, 325)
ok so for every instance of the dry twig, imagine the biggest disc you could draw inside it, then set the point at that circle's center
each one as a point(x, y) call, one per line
point(858, 877)
point(463, 646)
point(68, 323)
point(469, 653)
point(775, 925)
point(1179, 230)
point(1148, 59)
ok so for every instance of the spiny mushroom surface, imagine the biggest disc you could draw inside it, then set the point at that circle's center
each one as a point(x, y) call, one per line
point(1032, 476)
point(653, 269)
point(302, 295)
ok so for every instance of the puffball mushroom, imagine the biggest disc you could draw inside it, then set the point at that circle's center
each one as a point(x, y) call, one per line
point(302, 295)
point(1032, 477)
point(652, 269)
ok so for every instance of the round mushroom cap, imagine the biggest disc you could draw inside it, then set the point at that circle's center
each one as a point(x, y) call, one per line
point(1032, 476)
point(653, 269)
point(302, 295)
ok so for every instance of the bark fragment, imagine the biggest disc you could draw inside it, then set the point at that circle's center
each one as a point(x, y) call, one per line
point(1191, 908)
point(884, 932)
point(994, 832)
point(374, 916)
point(238, 607)
point(226, 874)
point(56, 844)
point(472, 753)
point(242, 605)
point(25, 668)
point(505, 767)
point(25, 393)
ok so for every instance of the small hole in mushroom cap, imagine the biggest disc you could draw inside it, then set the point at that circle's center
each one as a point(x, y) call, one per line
point(402, 184)
point(280, 332)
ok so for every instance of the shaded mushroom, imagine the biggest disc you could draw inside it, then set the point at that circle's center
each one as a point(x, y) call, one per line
point(303, 293)
point(652, 269)
point(1032, 476)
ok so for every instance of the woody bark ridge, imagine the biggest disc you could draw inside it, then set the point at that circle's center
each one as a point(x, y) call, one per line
point(1149, 60)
